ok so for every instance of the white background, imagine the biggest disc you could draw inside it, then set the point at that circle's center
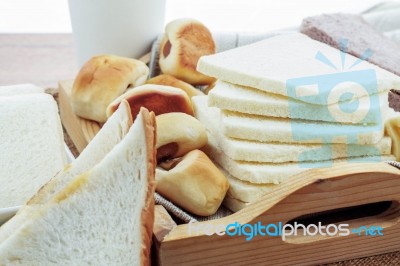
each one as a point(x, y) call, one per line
point(51, 16)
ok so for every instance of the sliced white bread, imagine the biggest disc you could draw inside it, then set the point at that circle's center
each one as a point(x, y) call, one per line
point(272, 129)
point(247, 100)
point(270, 64)
point(19, 89)
point(32, 146)
point(277, 152)
point(102, 217)
point(246, 191)
point(111, 133)
point(263, 173)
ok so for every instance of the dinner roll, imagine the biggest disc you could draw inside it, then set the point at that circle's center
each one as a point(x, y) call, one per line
point(102, 79)
point(177, 134)
point(157, 98)
point(194, 183)
point(184, 42)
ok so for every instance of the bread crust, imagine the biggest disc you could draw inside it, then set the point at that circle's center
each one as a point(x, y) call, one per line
point(147, 214)
point(184, 42)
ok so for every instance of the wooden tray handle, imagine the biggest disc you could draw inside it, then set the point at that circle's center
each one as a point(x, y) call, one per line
point(324, 190)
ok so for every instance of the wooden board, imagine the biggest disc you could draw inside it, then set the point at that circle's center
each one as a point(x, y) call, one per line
point(81, 131)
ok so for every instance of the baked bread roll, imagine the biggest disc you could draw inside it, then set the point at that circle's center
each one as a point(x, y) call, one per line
point(169, 80)
point(194, 183)
point(102, 79)
point(184, 42)
point(157, 98)
point(177, 134)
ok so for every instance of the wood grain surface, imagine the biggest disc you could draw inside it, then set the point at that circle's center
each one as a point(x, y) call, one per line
point(41, 59)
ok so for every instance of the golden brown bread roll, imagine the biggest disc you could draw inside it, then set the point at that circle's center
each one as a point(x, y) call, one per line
point(184, 42)
point(157, 98)
point(194, 183)
point(177, 134)
point(102, 79)
point(168, 80)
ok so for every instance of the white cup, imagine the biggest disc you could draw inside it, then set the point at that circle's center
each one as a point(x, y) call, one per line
point(120, 27)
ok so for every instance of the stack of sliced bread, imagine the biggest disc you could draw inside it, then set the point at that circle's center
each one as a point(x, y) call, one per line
point(263, 129)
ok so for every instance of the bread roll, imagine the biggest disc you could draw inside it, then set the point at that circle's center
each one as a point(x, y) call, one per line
point(184, 42)
point(169, 80)
point(194, 183)
point(177, 134)
point(102, 79)
point(157, 98)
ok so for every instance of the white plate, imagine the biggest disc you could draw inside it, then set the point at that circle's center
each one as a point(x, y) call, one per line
point(8, 213)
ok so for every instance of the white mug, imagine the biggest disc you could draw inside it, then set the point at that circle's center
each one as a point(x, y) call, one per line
point(120, 27)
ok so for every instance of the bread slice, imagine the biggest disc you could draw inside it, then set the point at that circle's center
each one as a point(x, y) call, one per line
point(361, 36)
point(246, 191)
point(253, 151)
point(259, 128)
point(263, 173)
point(247, 100)
point(112, 132)
point(103, 216)
point(270, 64)
point(19, 89)
point(32, 146)
point(256, 127)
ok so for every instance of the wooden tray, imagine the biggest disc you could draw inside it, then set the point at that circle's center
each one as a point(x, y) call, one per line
point(324, 191)
point(313, 191)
